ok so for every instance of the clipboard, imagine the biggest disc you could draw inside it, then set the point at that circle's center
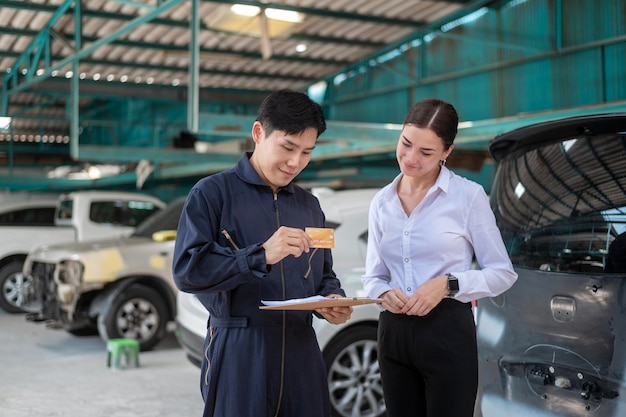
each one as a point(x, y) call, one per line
point(312, 303)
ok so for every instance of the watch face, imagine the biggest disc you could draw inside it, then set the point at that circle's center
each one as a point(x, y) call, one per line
point(453, 284)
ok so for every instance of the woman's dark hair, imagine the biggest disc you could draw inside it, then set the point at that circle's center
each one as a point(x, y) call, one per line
point(291, 112)
point(436, 115)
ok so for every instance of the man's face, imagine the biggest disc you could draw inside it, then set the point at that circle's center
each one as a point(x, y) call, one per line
point(278, 158)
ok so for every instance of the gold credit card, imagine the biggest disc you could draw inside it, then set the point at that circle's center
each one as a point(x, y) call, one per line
point(323, 237)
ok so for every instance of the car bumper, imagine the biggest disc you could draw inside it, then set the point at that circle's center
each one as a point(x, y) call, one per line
point(191, 343)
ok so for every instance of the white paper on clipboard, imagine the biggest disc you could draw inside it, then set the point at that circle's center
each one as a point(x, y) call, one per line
point(317, 301)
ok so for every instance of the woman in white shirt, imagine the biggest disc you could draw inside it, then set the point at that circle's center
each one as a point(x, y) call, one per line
point(425, 229)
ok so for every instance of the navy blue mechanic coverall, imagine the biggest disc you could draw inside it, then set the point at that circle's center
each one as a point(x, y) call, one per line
point(256, 362)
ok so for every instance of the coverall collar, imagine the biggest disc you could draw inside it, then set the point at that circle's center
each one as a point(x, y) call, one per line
point(247, 173)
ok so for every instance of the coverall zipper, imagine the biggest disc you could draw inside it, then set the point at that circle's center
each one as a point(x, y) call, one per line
point(282, 277)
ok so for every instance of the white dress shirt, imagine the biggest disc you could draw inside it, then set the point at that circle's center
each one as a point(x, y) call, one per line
point(449, 226)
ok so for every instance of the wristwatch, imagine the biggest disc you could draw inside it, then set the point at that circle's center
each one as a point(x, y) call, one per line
point(453, 285)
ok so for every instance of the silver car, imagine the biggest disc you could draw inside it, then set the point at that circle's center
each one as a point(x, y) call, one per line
point(555, 343)
point(349, 349)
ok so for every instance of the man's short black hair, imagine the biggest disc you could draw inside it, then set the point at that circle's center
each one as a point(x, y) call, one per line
point(291, 112)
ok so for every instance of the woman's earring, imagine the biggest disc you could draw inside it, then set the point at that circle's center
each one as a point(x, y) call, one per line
point(442, 162)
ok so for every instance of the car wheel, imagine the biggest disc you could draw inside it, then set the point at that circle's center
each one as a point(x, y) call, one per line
point(12, 286)
point(138, 312)
point(353, 374)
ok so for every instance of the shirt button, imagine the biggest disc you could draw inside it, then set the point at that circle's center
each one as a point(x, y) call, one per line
point(406, 259)
point(409, 289)
point(406, 233)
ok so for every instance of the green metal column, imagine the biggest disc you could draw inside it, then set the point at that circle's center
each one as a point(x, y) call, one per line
point(194, 52)
point(74, 84)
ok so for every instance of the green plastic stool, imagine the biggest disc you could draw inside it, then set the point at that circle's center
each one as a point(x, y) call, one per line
point(122, 353)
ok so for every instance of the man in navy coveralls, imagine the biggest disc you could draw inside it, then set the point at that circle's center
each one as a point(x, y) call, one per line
point(241, 240)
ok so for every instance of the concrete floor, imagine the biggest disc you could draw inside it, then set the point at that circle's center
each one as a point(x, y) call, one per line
point(50, 373)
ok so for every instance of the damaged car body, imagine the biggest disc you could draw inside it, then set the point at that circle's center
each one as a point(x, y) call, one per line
point(117, 288)
point(555, 343)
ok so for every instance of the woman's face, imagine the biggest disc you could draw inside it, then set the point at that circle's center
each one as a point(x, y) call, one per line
point(420, 151)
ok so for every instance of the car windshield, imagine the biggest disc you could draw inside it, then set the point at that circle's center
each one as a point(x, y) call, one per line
point(560, 204)
point(166, 219)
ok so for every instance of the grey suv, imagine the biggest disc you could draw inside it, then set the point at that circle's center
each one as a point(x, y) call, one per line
point(555, 343)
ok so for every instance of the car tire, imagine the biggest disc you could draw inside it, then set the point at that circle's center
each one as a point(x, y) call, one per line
point(12, 287)
point(353, 373)
point(138, 312)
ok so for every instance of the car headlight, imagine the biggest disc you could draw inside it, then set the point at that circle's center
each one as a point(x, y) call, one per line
point(69, 272)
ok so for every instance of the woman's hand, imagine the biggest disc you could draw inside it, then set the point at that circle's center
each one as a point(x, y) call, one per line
point(427, 297)
point(394, 300)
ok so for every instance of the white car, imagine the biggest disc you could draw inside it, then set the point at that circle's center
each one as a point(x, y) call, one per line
point(349, 349)
point(15, 214)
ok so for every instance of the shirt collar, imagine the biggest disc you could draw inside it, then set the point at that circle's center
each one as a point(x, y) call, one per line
point(442, 182)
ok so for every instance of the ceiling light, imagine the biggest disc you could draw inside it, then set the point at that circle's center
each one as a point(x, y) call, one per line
point(284, 15)
point(246, 19)
point(301, 48)
point(243, 10)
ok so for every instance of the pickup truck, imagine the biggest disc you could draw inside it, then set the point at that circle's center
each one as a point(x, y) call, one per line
point(117, 288)
point(78, 217)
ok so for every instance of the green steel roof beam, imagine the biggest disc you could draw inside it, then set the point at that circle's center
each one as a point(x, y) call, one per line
point(24, 5)
point(182, 24)
point(177, 48)
point(107, 153)
point(19, 147)
point(29, 59)
point(136, 4)
point(485, 41)
point(21, 113)
point(83, 52)
point(203, 71)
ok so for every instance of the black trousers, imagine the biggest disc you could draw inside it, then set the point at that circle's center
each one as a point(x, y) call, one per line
point(429, 365)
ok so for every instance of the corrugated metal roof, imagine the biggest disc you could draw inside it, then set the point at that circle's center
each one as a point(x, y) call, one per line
point(232, 53)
